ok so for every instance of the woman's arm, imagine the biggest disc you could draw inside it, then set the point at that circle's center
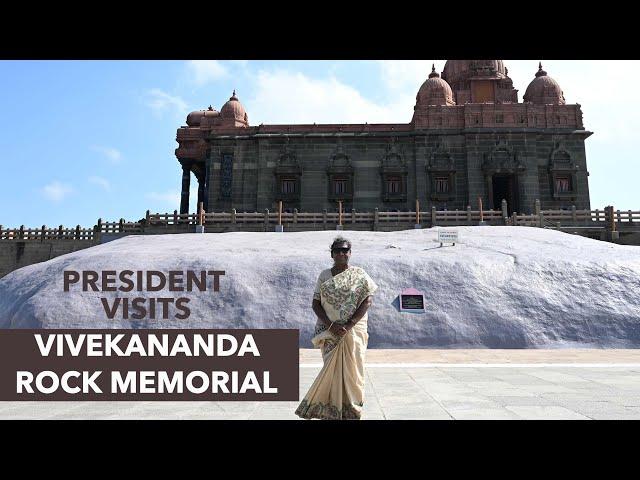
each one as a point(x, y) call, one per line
point(322, 315)
point(359, 313)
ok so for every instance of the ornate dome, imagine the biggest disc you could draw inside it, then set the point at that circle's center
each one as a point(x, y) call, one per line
point(435, 91)
point(544, 90)
point(234, 111)
point(455, 70)
point(194, 118)
point(211, 112)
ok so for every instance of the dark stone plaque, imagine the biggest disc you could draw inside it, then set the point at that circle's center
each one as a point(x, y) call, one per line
point(411, 300)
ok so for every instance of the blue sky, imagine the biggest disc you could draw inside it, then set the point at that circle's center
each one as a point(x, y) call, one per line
point(87, 139)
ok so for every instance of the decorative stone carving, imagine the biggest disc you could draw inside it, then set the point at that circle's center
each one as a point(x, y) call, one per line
point(340, 175)
point(393, 172)
point(562, 169)
point(502, 158)
point(288, 175)
point(441, 166)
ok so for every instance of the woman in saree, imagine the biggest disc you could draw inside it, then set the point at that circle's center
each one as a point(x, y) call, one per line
point(341, 299)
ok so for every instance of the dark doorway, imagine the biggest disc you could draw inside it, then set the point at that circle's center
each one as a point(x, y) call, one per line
point(505, 187)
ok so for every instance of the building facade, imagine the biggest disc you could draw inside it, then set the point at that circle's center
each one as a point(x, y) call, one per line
point(469, 139)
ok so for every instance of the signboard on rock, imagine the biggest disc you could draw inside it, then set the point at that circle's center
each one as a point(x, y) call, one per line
point(411, 301)
point(447, 236)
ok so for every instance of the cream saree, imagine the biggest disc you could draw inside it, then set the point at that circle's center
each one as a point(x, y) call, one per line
point(338, 390)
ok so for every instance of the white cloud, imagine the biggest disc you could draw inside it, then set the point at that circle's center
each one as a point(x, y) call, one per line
point(112, 154)
point(599, 86)
point(102, 182)
point(160, 101)
point(292, 97)
point(56, 191)
point(205, 71)
point(169, 200)
point(407, 74)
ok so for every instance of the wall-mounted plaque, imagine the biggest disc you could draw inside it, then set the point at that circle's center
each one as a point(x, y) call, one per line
point(411, 300)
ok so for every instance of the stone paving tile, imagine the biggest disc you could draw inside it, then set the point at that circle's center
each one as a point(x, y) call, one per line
point(545, 412)
point(521, 400)
point(514, 390)
point(456, 397)
point(589, 407)
point(614, 416)
point(523, 380)
point(470, 405)
point(385, 402)
point(551, 388)
point(557, 377)
point(416, 413)
point(483, 414)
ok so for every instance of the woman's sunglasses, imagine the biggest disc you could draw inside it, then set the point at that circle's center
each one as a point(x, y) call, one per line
point(340, 250)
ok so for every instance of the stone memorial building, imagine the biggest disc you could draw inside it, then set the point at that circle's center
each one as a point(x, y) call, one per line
point(469, 137)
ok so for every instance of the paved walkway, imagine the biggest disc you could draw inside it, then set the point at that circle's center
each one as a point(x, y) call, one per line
point(424, 384)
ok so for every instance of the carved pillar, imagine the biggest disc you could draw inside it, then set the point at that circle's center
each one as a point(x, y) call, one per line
point(489, 183)
point(206, 184)
point(200, 190)
point(186, 178)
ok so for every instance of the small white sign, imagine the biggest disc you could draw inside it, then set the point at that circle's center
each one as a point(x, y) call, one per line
point(448, 236)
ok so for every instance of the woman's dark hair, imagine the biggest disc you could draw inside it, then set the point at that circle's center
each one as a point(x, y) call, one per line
point(340, 241)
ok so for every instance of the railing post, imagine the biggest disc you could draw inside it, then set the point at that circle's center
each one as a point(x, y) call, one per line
point(295, 215)
point(433, 216)
point(505, 212)
point(514, 220)
point(541, 219)
point(42, 233)
point(234, 214)
point(121, 225)
point(324, 218)
point(469, 214)
point(266, 217)
point(78, 232)
point(21, 234)
point(629, 213)
point(610, 224)
point(353, 215)
point(612, 219)
point(574, 215)
point(60, 231)
point(537, 211)
point(376, 219)
point(175, 217)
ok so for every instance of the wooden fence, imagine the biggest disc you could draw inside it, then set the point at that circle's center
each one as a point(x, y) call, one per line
point(593, 219)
